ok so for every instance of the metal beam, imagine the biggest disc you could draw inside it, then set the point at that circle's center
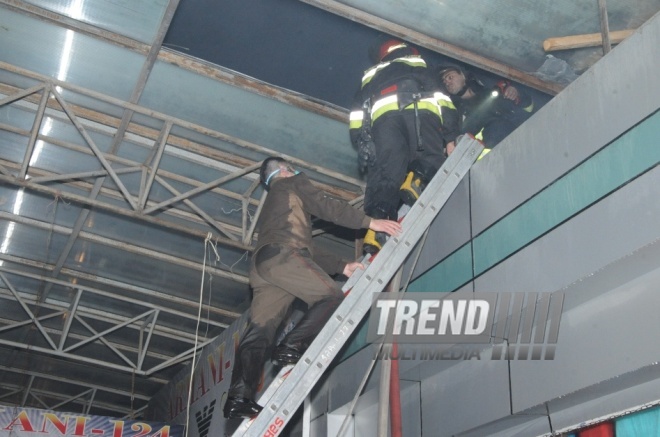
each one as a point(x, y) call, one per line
point(36, 126)
point(179, 148)
point(5, 172)
point(86, 360)
point(90, 403)
point(110, 408)
point(162, 140)
point(90, 142)
point(88, 236)
point(82, 175)
point(11, 392)
point(22, 94)
point(145, 71)
point(27, 391)
point(123, 212)
point(130, 164)
point(99, 336)
point(85, 340)
point(248, 238)
point(127, 299)
point(134, 414)
point(144, 346)
point(71, 399)
point(604, 26)
point(126, 195)
point(70, 380)
point(48, 177)
point(30, 314)
point(198, 210)
point(69, 320)
point(179, 122)
point(204, 187)
point(14, 325)
point(119, 346)
point(183, 356)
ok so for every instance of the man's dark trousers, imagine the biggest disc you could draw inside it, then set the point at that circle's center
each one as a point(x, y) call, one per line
point(279, 275)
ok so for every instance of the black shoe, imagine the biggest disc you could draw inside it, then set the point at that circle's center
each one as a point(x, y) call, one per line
point(285, 355)
point(241, 408)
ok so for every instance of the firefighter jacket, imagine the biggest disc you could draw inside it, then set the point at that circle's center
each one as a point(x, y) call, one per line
point(391, 85)
point(286, 218)
point(489, 106)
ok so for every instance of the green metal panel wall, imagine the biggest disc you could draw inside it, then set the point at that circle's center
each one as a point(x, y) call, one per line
point(629, 156)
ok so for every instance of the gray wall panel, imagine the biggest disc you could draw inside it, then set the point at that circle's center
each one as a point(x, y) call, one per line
point(464, 397)
point(449, 231)
point(599, 106)
point(338, 386)
point(609, 230)
point(611, 335)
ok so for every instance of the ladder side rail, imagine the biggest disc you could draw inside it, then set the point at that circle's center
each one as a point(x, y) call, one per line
point(283, 404)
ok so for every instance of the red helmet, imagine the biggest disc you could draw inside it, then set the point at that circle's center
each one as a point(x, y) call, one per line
point(391, 45)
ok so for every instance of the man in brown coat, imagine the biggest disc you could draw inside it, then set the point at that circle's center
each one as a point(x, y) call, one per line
point(285, 267)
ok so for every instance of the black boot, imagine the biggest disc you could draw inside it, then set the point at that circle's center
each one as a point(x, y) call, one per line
point(284, 355)
point(244, 408)
point(298, 340)
point(248, 365)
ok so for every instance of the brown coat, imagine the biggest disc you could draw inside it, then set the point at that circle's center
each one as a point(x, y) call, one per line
point(286, 217)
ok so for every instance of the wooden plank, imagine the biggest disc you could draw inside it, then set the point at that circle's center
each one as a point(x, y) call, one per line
point(586, 40)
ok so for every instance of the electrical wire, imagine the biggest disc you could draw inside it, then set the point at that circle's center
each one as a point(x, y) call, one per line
point(199, 318)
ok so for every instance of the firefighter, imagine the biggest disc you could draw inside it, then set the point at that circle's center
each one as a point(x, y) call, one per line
point(285, 266)
point(488, 113)
point(397, 126)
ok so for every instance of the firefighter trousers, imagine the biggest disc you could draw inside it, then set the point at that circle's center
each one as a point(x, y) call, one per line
point(395, 136)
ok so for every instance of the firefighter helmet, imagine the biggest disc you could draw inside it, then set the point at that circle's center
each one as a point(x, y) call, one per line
point(389, 46)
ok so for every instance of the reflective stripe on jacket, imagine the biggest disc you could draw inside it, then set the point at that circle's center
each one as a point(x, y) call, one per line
point(391, 103)
point(412, 60)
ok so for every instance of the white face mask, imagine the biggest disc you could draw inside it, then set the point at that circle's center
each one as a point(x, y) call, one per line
point(271, 175)
point(288, 168)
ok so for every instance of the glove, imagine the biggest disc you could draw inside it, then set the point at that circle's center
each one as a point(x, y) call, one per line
point(366, 153)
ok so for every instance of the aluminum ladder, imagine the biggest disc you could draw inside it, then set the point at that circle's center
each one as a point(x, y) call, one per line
point(285, 395)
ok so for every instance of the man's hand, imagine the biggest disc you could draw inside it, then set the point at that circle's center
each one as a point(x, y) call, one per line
point(390, 227)
point(351, 268)
point(511, 93)
point(508, 91)
point(450, 147)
